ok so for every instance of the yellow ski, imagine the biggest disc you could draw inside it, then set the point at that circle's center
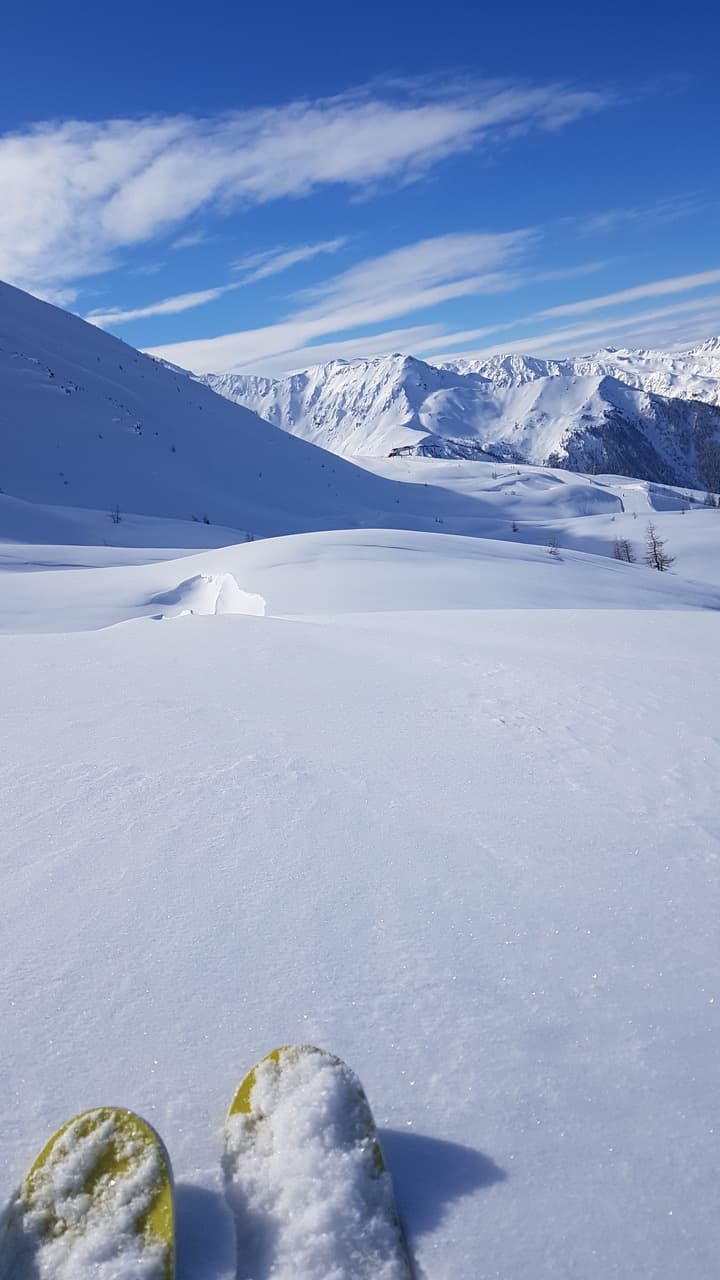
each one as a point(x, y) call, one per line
point(305, 1176)
point(97, 1202)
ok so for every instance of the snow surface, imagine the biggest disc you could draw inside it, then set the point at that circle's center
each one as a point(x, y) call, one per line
point(301, 1178)
point(428, 796)
point(471, 849)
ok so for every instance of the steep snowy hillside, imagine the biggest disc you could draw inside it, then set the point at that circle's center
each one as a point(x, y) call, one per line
point(513, 409)
point(356, 407)
point(88, 422)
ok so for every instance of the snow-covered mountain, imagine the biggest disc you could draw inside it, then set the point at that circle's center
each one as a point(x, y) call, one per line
point(88, 422)
point(686, 375)
point(604, 413)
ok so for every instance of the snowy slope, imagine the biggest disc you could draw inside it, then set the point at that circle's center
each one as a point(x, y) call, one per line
point(573, 414)
point(103, 445)
point(352, 407)
point(449, 808)
point(363, 571)
point(88, 422)
point(520, 504)
point(443, 804)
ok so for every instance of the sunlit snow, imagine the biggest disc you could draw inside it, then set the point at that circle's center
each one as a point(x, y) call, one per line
point(428, 779)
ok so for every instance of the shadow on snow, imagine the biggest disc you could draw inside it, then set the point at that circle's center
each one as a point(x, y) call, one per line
point(429, 1174)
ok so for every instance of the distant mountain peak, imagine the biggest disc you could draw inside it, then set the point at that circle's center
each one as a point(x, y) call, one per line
point(614, 410)
point(710, 347)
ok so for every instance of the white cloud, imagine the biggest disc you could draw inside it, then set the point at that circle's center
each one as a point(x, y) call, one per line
point(678, 335)
point(574, 338)
point(189, 240)
point(75, 192)
point(416, 338)
point(166, 307)
point(379, 289)
point(271, 262)
point(56, 181)
point(58, 297)
point(661, 212)
point(452, 265)
point(534, 277)
point(655, 289)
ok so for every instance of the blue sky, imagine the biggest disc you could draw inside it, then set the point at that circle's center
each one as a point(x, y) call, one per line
point(265, 188)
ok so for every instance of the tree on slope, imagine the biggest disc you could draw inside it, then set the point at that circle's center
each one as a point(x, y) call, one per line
point(623, 550)
point(655, 554)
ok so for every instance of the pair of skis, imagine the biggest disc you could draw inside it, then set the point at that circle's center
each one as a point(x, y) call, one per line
point(304, 1178)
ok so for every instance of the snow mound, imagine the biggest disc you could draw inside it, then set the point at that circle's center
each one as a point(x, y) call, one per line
point(55, 590)
point(208, 594)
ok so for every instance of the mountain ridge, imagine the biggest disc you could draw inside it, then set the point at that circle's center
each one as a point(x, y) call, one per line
point(602, 412)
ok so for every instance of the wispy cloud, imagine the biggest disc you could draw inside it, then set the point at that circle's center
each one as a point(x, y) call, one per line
point(416, 338)
point(678, 284)
point(76, 192)
point(270, 263)
point(659, 213)
point(376, 290)
point(189, 240)
point(419, 276)
point(165, 307)
point(258, 266)
point(571, 338)
point(654, 289)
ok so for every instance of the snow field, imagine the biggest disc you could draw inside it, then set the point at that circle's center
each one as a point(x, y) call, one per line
point(88, 423)
point(473, 852)
point(63, 589)
point(415, 790)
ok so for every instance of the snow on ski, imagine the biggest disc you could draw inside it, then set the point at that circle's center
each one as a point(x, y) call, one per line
point(305, 1177)
point(97, 1204)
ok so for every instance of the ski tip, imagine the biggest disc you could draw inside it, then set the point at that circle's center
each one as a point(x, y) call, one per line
point(113, 1147)
point(242, 1101)
point(302, 1108)
point(288, 1055)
